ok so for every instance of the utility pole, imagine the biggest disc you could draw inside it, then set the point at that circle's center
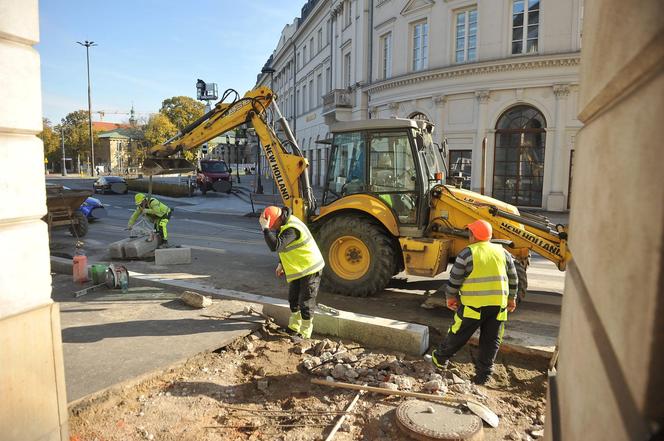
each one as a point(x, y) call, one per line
point(64, 158)
point(87, 45)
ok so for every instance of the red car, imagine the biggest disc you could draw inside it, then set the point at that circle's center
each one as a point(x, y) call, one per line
point(214, 175)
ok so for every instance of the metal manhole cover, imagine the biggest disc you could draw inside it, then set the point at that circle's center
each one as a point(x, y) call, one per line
point(422, 420)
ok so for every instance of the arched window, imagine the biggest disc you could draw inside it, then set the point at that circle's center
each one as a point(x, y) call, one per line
point(419, 115)
point(518, 171)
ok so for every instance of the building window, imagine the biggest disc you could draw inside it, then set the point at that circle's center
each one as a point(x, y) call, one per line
point(347, 70)
point(461, 165)
point(328, 78)
point(319, 89)
point(298, 60)
point(420, 45)
point(518, 171)
point(347, 13)
point(298, 103)
point(312, 102)
point(304, 98)
point(328, 31)
point(569, 185)
point(311, 48)
point(386, 59)
point(419, 116)
point(466, 36)
point(320, 39)
point(525, 26)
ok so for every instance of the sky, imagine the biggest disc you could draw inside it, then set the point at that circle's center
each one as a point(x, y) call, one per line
point(149, 50)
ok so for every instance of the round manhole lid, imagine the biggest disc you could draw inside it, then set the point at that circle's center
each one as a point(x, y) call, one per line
point(426, 421)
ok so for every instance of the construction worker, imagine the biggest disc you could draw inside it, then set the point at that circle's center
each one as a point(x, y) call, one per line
point(157, 212)
point(481, 290)
point(299, 259)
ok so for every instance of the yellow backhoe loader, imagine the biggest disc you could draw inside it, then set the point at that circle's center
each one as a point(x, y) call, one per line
point(386, 207)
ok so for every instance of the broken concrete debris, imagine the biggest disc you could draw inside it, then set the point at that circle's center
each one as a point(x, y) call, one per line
point(196, 300)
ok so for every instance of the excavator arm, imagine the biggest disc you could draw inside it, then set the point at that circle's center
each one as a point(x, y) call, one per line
point(287, 167)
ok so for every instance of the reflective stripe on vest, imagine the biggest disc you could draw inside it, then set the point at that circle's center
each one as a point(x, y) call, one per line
point(301, 257)
point(487, 284)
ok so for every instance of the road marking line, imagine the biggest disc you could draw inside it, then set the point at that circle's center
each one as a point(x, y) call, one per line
point(230, 227)
point(213, 250)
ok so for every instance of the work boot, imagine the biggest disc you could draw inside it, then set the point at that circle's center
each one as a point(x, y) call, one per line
point(440, 362)
point(481, 379)
point(307, 328)
point(164, 244)
point(295, 321)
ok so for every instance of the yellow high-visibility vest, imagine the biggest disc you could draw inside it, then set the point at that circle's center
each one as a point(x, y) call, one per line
point(302, 257)
point(487, 284)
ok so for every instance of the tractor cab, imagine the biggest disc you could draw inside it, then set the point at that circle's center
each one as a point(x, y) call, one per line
point(392, 160)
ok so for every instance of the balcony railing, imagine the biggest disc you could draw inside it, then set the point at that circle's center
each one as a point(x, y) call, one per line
point(336, 98)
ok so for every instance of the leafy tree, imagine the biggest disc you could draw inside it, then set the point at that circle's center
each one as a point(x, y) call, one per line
point(182, 110)
point(158, 129)
point(77, 136)
point(51, 139)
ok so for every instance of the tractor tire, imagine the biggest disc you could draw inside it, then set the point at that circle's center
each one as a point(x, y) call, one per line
point(80, 229)
point(521, 266)
point(359, 256)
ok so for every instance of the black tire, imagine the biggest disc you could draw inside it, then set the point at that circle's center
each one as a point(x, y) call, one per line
point(382, 262)
point(80, 229)
point(521, 266)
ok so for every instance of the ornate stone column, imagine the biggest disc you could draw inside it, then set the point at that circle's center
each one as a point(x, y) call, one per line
point(483, 97)
point(556, 198)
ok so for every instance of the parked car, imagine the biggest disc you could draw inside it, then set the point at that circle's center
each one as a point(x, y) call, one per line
point(214, 175)
point(92, 208)
point(113, 184)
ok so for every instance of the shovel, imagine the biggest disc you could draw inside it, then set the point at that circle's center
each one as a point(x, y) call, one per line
point(477, 408)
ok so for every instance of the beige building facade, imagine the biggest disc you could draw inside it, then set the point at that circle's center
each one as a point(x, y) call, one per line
point(32, 387)
point(498, 79)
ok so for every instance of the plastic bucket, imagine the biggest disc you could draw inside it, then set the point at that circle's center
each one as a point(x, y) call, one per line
point(98, 273)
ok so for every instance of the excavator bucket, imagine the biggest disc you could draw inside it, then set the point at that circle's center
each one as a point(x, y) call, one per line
point(166, 166)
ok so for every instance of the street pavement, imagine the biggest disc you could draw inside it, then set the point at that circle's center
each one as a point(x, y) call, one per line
point(228, 252)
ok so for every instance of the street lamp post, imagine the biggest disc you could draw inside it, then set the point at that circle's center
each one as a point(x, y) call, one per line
point(237, 158)
point(64, 157)
point(87, 45)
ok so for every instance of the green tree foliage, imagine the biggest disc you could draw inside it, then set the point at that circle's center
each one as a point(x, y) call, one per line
point(51, 139)
point(158, 129)
point(182, 110)
point(77, 135)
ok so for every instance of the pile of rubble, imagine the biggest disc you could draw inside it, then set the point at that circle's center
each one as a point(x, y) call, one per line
point(355, 365)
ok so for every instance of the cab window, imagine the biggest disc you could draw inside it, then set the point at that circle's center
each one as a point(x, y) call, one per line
point(393, 174)
point(347, 169)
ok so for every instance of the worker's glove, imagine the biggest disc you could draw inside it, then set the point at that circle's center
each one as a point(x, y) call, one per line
point(452, 304)
point(264, 222)
point(279, 272)
point(511, 305)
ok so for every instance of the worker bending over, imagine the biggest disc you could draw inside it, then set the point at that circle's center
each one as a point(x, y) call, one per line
point(157, 212)
point(299, 259)
point(481, 290)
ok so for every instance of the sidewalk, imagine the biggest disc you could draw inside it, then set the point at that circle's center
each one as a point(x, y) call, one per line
point(109, 337)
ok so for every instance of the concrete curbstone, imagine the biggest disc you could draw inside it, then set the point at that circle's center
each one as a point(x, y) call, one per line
point(172, 256)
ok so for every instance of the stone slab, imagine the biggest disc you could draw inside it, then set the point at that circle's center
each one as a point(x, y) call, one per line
point(132, 248)
point(172, 256)
point(375, 332)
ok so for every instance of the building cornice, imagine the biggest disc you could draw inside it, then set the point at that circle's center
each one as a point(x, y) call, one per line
point(482, 68)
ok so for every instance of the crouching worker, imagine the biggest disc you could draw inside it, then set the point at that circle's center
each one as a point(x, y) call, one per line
point(157, 212)
point(481, 291)
point(299, 259)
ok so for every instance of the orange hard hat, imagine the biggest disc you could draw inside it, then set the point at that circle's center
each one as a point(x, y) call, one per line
point(481, 229)
point(272, 212)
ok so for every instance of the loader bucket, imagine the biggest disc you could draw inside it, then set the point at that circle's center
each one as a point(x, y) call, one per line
point(166, 166)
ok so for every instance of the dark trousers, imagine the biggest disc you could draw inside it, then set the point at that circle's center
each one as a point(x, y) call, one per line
point(302, 294)
point(491, 335)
